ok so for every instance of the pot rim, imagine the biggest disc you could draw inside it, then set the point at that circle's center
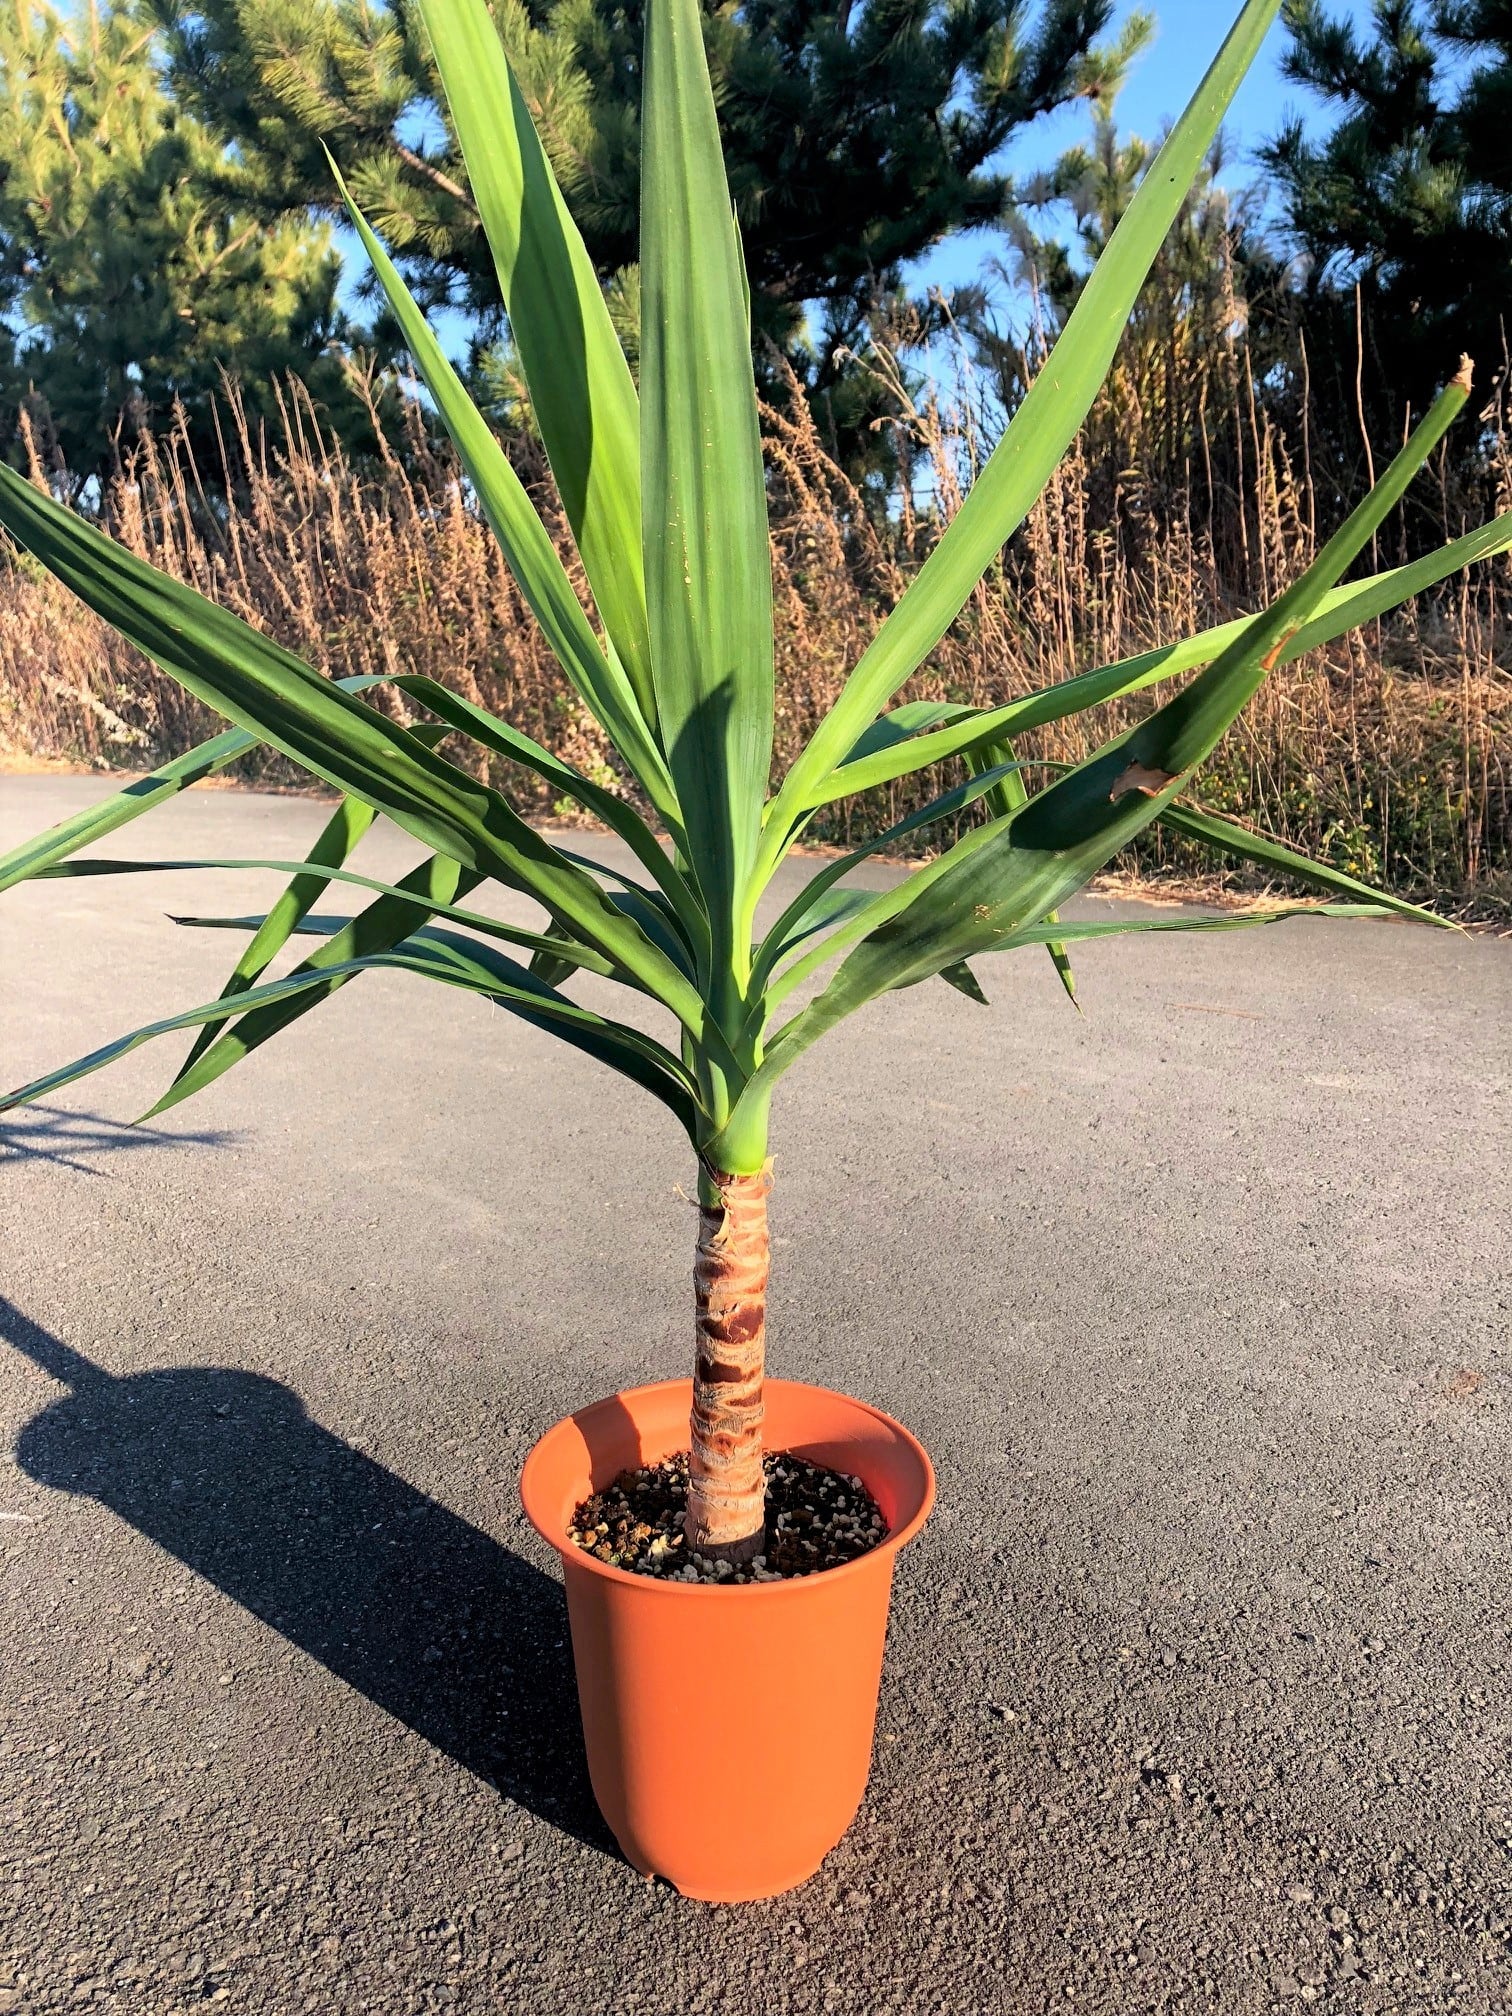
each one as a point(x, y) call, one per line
point(657, 1585)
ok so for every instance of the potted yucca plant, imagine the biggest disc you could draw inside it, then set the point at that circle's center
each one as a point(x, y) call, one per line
point(663, 487)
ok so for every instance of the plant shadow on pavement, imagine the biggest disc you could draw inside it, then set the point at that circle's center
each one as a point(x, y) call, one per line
point(429, 1617)
point(52, 1134)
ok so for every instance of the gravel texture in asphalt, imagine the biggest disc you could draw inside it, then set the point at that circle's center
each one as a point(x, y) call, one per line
point(1197, 1692)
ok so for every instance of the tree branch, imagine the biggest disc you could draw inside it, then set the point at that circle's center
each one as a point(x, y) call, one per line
point(437, 178)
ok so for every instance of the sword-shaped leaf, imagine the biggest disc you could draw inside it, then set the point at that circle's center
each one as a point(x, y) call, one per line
point(964, 981)
point(1003, 800)
point(95, 822)
point(458, 964)
point(793, 927)
point(1041, 934)
point(82, 829)
point(1039, 434)
point(527, 545)
point(491, 733)
point(310, 877)
point(377, 929)
point(1004, 878)
point(894, 747)
point(339, 836)
point(581, 391)
point(271, 693)
point(627, 1050)
point(704, 527)
point(1226, 836)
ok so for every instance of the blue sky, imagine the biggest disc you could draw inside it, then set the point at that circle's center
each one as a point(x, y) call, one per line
point(1187, 36)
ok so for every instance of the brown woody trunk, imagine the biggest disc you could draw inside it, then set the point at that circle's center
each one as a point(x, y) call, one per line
point(726, 1513)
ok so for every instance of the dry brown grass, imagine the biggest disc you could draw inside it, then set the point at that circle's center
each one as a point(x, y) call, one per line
point(1389, 753)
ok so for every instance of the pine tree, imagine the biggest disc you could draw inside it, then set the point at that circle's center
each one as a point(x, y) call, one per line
point(856, 137)
point(129, 286)
point(1407, 198)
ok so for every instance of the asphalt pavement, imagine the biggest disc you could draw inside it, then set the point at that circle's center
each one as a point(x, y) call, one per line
point(1197, 1692)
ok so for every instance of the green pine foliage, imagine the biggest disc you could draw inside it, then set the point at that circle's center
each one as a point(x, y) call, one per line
point(129, 282)
point(856, 138)
point(1406, 194)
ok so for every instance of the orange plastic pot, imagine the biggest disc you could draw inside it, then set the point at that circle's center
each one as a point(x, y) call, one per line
point(790, 1669)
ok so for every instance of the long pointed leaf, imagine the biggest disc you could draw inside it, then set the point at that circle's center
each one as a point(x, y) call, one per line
point(1003, 800)
point(1004, 878)
point(340, 835)
point(266, 690)
point(625, 1049)
point(491, 733)
point(792, 927)
point(269, 993)
point(527, 545)
point(1041, 430)
point(379, 928)
point(82, 829)
point(1227, 837)
point(581, 390)
point(887, 753)
point(310, 877)
point(1040, 934)
point(707, 557)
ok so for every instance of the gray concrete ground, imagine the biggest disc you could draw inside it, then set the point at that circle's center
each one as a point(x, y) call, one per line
point(1197, 1693)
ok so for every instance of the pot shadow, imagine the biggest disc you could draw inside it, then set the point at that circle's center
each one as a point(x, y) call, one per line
point(427, 1616)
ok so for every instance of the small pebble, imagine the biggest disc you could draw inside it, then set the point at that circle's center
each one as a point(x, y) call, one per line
point(816, 1519)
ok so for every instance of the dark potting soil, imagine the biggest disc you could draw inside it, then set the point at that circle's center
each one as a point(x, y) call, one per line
point(816, 1519)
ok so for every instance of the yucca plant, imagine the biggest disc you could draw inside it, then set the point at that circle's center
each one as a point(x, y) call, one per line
point(663, 486)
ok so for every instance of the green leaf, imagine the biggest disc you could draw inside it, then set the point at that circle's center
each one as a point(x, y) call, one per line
point(82, 829)
point(793, 927)
point(377, 929)
point(789, 1047)
point(581, 391)
point(1228, 837)
point(527, 545)
point(901, 723)
point(491, 733)
point(458, 965)
point(1039, 934)
point(310, 877)
point(707, 557)
point(625, 1049)
point(342, 831)
point(891, 754)
point(1003, 800)
point(800, 922)
point(1004, 878)
point(215, 1011)
point(1040, 432)
point(269, 692)
point(964, 981)
point(649, 908)
point(314, 924)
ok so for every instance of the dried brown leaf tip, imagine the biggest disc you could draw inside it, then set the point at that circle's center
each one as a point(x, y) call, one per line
point(1465, 373)
point(1139, 777)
